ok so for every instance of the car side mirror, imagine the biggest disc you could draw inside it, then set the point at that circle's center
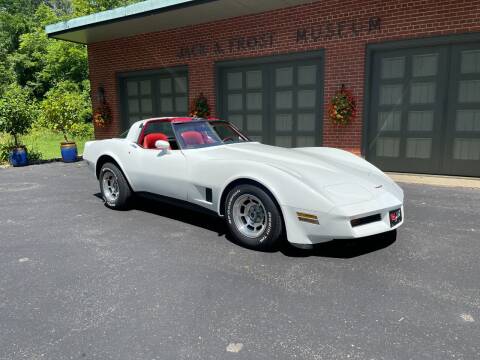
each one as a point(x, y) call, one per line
point(162, 145)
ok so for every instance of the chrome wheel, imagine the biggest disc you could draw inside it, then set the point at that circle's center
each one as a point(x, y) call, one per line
point(249, 215)
point(110, 186)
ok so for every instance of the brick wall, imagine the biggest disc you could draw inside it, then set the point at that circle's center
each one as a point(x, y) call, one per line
point(339, 27)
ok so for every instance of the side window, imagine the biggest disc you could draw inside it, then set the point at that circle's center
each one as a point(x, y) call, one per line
point(156, 127)
point(160, 127)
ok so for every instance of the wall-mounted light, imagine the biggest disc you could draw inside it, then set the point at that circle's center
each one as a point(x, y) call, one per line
point(101, 94)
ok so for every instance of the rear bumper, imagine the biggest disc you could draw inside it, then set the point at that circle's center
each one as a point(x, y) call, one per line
point(336, 223)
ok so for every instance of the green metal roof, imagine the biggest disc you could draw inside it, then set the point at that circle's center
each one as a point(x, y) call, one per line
point(157, 15)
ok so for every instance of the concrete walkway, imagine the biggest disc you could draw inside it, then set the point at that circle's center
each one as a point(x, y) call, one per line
point(436, 180)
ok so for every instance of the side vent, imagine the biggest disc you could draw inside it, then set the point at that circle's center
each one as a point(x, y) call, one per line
point(208, 195)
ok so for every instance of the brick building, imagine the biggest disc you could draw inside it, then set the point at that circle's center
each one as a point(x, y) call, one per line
point(272, 66)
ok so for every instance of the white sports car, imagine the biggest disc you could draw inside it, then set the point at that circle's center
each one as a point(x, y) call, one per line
point(310, 194)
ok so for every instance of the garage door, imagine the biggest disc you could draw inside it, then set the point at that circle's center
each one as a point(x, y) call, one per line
point(277, 103)
point(152, 94)
point(425, 110)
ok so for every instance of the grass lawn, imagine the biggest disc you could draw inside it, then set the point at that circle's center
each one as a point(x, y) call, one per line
point(46, 142)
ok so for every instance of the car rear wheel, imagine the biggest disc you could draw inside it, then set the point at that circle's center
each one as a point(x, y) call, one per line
point(253, 217)
point(114, 187)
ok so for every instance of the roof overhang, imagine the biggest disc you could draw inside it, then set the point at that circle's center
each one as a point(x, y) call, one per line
point(157, 15)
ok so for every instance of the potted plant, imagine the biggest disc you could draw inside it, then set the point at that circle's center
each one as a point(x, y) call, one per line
point(63, 109)
point(342, 108)
point(16, 116)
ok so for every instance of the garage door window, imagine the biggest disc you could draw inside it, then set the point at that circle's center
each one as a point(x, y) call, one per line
point(160, 93)
point(465, 148)
point(173, 95)
point(139, 94)
point(277, 104)
point(425, 110)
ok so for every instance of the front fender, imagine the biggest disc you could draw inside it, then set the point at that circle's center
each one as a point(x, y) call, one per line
point(286, 186)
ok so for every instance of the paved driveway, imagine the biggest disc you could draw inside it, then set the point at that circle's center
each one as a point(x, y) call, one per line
point(79, 281)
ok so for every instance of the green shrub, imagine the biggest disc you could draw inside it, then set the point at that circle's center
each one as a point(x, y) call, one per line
point(82, 131)
point(64, 108)
point(16, 112)
point(34, 156)
point(5, 149)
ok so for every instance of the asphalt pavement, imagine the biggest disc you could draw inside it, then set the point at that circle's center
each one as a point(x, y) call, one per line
point(80, 281)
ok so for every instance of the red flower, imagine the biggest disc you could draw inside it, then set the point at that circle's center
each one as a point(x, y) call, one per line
point(101, 115)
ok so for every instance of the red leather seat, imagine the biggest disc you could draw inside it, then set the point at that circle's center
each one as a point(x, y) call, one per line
point(192, 138)
point(150, 140)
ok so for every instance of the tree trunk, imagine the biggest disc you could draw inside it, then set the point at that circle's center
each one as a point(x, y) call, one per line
point(16, 140)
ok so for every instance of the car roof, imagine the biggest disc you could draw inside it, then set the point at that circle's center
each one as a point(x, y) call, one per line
point(136, 128)
point(178, 119)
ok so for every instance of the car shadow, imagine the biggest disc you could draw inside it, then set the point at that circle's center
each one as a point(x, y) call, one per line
point(343, 248)
point(339, 248)
point(193, 216)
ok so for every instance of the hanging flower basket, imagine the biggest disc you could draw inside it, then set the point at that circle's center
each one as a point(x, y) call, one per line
point(102, 115)
point(200, 107)
point(342, 107)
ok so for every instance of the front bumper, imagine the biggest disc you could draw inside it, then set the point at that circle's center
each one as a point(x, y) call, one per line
point(336, 223)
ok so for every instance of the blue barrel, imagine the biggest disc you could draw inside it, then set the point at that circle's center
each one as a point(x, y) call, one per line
point(18, 157)
point(69, 151)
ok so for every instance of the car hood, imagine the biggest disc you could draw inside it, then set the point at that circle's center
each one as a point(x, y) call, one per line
point(336, 174)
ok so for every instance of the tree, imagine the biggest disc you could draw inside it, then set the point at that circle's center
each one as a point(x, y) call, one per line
point(29, 60)
point(34, 61)
point(7, 76)
point(86, 7)
point(41, 62)
point(12, 26)
point(16, 112)
point(64, 107)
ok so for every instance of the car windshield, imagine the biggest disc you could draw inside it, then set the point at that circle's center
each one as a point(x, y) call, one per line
point(201, 133)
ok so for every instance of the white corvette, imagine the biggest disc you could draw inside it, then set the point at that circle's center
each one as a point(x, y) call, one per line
point(310, 194)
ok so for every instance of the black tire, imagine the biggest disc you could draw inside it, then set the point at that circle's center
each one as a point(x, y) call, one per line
point(269, 239)
point(121, 201)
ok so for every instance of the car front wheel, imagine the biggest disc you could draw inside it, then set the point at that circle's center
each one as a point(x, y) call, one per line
point(253, 217)
point(114, 187)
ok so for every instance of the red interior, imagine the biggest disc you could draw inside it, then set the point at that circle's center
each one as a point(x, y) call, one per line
point(192, 138)
point(150, 140)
